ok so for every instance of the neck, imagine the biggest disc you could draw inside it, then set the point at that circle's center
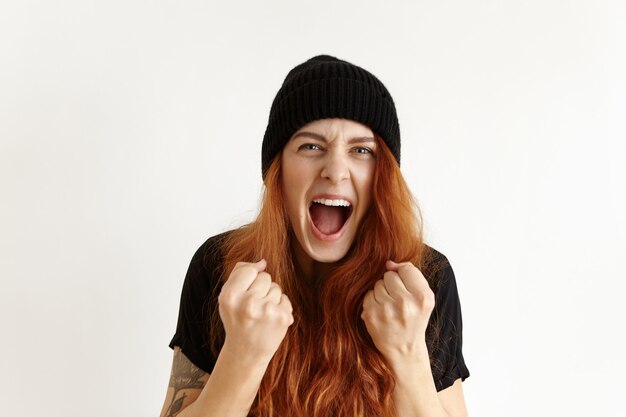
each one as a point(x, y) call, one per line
point(311, 270)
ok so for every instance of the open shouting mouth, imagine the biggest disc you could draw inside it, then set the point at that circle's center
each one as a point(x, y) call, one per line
point(328, 217)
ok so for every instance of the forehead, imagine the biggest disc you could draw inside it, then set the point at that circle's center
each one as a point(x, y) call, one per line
point(336, 127)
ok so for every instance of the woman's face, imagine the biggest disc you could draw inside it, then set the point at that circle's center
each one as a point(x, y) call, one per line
point(327, 173)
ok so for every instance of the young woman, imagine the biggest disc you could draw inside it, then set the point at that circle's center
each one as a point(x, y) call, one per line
point(329, 303)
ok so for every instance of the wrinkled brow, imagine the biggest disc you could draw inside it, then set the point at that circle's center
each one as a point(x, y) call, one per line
point(358, 139)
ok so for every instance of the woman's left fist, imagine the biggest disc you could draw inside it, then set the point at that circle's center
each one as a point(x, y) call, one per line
point(397, 310)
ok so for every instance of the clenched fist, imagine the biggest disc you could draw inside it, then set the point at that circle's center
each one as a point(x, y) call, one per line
point(255, 312)
point(397, 310)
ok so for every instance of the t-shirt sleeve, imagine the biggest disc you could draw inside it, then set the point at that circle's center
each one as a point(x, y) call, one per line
point(197, 302)
point(447, 362)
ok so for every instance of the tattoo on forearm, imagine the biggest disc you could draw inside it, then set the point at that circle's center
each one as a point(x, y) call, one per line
point(185, 375)
point(175, 406)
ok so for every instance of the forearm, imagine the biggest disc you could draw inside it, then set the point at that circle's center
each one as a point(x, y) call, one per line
point(231, 388)
point(415, 394)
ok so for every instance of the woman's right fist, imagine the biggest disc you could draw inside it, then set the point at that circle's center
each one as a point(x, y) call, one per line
point(255, 312)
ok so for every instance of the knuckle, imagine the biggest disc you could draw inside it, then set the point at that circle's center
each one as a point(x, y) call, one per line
point(426, 295)
point(407, 268)
point(407, 265)
point(239, 266)
point(389, 311)
point(265, 279)
point(429, 301)
point(426, 299)
point(248, 269)
point(269, 311)
point(286, 319)
point(284, 299)
point(250, 309)
point(225, 298)
point(236, 273)
point(264, 275)
point(408, 308)
point(366, 315)
point(389, 275)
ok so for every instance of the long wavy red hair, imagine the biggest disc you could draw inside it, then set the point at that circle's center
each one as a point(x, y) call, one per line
point(327, 365)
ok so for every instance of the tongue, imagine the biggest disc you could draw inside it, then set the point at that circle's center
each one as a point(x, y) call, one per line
point(327, 219)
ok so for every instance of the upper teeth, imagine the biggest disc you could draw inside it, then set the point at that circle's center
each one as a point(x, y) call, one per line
point(327, 202)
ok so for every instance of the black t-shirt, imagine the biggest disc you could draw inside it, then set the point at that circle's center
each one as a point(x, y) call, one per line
point(202, 286)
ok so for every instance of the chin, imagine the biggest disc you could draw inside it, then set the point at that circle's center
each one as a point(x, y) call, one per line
point(328, 251)
point(327, 256)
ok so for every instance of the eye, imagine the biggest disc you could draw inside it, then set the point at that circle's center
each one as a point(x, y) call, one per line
point(363, 150)
point(309, 147)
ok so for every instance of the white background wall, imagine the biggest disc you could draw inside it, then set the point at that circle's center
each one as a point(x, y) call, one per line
point(130, 131)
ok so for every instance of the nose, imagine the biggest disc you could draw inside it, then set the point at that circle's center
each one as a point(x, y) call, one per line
point(336, 167)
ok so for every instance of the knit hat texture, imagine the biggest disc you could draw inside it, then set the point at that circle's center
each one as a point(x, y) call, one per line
point(327, 87)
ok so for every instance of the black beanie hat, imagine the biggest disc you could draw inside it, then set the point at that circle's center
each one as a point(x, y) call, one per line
point(327, 87)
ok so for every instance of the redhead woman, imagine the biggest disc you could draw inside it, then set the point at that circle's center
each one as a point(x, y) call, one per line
point(329, 303)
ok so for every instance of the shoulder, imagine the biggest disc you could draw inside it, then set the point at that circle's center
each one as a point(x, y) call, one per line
point(440, 275)
point(206, 265)
point(209, 257)
point(437, 268)
point(211, 250)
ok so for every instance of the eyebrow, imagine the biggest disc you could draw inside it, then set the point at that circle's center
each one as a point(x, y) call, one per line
point(358, 139)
